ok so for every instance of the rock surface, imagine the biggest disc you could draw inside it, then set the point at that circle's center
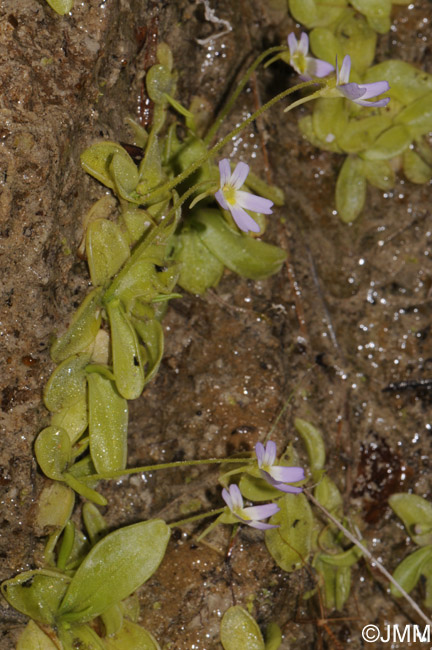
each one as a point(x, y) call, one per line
point(338, 330)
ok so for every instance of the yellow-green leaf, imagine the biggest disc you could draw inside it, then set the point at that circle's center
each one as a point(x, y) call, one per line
point(115, 567)
point(239, 631)
point(108, 423)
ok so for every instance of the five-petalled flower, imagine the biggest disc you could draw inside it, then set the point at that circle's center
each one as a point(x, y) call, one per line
point(277, 475)
point(252, 515)
point(230, 197)
point(359, 93)
point(306, 66)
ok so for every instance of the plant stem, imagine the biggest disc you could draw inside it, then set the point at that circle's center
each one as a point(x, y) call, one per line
point(188, 520)
point(243, 81)
point(179, 463)
point(369, 556)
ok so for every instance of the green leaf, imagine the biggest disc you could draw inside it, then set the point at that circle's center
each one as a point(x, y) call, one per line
point(150, 170)
point(330, 120)
point(108, 424)
point(350, 189)
point(136, 220)
point(427, 573)
point(80, 636)
point(325, 46)
point(83, 489)
point(54, 508)
point(112, 619)
point(127, 362)
point(53, 452)
point(72, 419)
point(417, 117)
point(125, 176)
point(94, 522)
point(239, 631)
point(327, 493)
point(415, 168)
point(151, 334)
point(389, 143)
point(256, 488)
point(34, 639)
point(107, 250)
point(357, 39)
point(61, 7)
point(199, 268)
point(273, 637)
point(380, 25)
point(36, 595)
point(159, 81)
point(375, 8)
point(82, 331)
point(96, 161)
point(343, 559)
point(313, 13)
point(408, 572)
point(361, 134)
point(379, 173)
point(244, 255)
point(314, 444)
point(67, 383)
point(407, 83)
point(416, 514)
point(118, 564)
point(342, 586)
point(132, 637)
point(290, 544)
point(305, 125)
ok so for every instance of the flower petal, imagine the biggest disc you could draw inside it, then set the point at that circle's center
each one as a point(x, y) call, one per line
point(318, 68)
point(236, 497)
point(219, 196)
point(351, 91)
point(243, 220)
point(303, 45)
point(253, 202)
point(224, 171)
point(261, 525)
point(343, 76)
point(380, 103)
point(227, 498)
point(239, 175)
point(260, 453)
point(286, 474)
point(261, 512)
point(270, 453)
point(292, 43)
point(374, 89)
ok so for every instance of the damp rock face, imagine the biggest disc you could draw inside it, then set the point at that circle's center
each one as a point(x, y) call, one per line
point(345, 332)
point(54, 72)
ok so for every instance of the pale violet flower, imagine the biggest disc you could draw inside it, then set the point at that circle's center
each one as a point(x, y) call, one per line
point(251, 516)
point(306, 66)
point(277, 475)
point(230, 197)
point(359, 93)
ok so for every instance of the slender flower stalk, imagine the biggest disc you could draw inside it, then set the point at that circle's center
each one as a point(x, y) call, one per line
point(231, 197)
point(306, 66)
point(251, 516)
point(277, 475)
